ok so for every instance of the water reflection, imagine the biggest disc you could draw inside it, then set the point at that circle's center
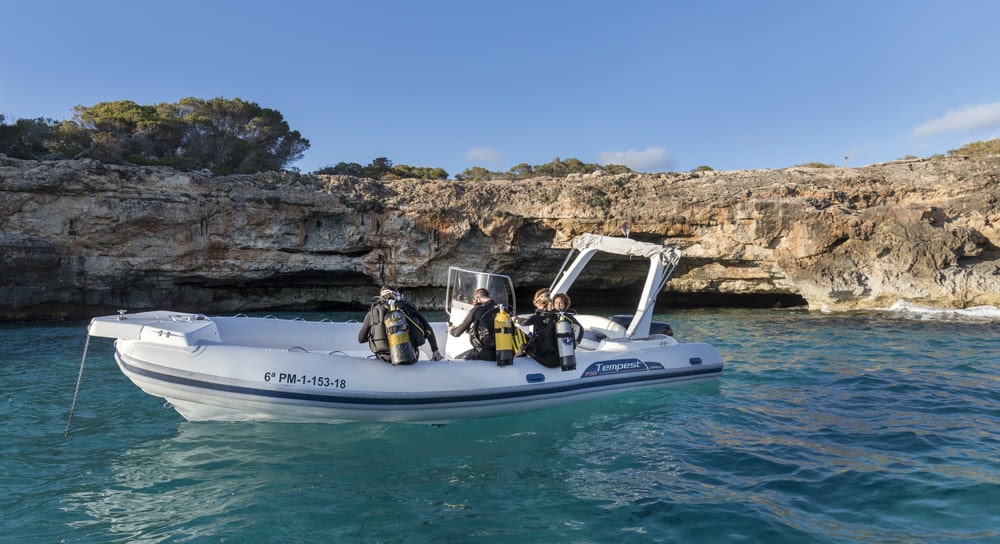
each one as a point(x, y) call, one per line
point(213, 477)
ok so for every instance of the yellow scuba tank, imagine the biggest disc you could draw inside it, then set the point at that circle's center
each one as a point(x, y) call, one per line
point(565, 342)
point(503, 331)
point(401, 351)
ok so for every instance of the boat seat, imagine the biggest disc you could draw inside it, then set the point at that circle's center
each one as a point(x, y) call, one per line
point(598, 328)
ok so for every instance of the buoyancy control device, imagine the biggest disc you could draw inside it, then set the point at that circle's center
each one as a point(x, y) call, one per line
point(401, 351)
point(565, 342)
point(503, 331)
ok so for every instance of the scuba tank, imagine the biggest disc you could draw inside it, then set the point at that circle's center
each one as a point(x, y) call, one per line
point(401, 351)
point(564, 341)
point(503, 329)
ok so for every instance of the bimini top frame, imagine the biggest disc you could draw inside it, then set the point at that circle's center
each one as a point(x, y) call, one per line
point(662, 261)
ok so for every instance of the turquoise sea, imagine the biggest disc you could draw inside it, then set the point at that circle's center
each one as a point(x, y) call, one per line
point(824, 428)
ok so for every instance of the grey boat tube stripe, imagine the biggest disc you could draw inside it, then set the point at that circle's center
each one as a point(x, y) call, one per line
point(541, 391)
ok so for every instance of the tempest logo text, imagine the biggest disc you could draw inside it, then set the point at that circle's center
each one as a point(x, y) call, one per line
point(617, 366)
point(605, 368)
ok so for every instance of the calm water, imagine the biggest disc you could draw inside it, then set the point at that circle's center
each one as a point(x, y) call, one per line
point(878, 427)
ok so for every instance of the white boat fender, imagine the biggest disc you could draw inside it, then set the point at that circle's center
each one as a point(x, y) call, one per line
point(401, 350)
point(564, 341)
point(503, 331)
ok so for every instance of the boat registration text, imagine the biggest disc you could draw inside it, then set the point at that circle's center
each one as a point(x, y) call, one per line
point(303, 379)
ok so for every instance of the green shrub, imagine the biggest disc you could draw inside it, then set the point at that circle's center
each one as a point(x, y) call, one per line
point(977, 149)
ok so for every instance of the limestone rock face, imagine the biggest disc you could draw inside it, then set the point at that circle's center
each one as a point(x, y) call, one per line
point(81, 237)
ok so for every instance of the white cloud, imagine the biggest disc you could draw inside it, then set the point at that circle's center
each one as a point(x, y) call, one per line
point(970, 118)
point(483, 154)
point(654, 159)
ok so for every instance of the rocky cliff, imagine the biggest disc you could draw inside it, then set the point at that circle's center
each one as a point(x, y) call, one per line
point(81, 237)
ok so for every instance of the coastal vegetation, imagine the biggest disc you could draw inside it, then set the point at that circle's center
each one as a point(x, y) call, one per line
point(558, 168)
point(220, 135)
point(233, 136)
point(977, 149)
point(382, 168)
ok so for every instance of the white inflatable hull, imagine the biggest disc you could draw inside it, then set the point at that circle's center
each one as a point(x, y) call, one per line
point(253, 369)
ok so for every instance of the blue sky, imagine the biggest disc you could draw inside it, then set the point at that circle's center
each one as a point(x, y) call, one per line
point(658, 85)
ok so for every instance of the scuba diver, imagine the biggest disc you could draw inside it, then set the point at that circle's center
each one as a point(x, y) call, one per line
point(544, 346)
point(394, 329)
point(479, 324)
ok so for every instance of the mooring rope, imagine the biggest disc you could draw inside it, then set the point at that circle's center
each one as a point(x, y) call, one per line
point(76, 392)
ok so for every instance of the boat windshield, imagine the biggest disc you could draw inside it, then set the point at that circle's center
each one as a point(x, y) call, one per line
point(462, 285)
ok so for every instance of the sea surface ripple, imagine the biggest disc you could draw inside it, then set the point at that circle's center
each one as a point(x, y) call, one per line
point(826, 428)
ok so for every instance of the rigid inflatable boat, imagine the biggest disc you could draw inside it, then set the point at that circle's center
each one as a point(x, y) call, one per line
point(268, 369)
